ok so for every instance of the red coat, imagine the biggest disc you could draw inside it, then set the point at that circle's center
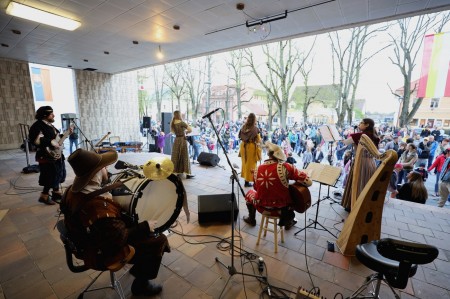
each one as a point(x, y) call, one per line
point(438, 163)
point(271, 184)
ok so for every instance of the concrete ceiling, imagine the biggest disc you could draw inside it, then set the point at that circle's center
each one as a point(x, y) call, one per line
point(206, 26)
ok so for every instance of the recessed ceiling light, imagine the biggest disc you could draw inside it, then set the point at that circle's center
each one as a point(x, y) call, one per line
point(15, 31)
point(40, 16)
point(176, 27)
point(69, 65)
point(106, 52)
point(5, 45)
point(85, 60)
point(135, 42)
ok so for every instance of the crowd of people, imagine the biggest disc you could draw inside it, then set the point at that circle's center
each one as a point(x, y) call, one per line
point(96, 222)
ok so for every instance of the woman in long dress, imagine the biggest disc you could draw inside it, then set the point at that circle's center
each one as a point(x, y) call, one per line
point(180, 155)
point(250, 148)
point(368, 167)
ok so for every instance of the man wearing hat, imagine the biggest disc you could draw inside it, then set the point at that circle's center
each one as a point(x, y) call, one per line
point(271, 187)
point(52, 172)
point(96, 224)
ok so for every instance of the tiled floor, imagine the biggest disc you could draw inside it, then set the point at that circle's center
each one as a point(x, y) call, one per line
point(32, 260)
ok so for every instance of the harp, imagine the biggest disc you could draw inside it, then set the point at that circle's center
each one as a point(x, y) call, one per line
point(364, 221)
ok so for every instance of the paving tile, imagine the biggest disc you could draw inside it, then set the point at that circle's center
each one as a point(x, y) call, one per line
point(202, 277)
point(336, 259)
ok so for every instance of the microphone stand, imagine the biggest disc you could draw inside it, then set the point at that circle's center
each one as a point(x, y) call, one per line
point(86, 140)
point(234, 178)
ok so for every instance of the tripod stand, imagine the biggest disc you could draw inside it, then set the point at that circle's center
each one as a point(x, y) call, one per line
point(234, 178)
point(86, 142)
point(314, 222)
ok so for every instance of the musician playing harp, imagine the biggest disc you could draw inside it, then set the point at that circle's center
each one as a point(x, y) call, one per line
point(367, 168)
point(52, 171)
point(271, 188)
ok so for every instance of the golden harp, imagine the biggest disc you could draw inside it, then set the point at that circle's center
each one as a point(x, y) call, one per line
point(364, 221)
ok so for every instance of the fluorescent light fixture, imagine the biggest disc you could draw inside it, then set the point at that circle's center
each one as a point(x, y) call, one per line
point(40, 16)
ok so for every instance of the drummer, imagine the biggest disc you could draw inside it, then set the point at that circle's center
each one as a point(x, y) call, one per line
point(271, 188)
point(95, 224)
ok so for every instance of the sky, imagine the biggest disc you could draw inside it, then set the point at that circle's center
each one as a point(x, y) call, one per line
point(376, 76)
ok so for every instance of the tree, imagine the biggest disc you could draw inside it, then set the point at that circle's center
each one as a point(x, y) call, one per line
point(235, 65)
point(348, 53)
point(406, 48)
point(143, 96)
point(175, 82)
point(158, 85)
point(194, 77)
point(282, 67)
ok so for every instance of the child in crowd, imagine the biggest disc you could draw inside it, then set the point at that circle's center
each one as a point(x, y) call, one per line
point(307, 157)
point(291, 159)
point(392, 187)
point(423, 172)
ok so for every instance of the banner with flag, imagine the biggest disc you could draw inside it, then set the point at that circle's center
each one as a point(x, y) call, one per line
point(435, 77)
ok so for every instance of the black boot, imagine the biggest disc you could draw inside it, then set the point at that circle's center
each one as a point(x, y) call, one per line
point(251, 218)
point(143, 287)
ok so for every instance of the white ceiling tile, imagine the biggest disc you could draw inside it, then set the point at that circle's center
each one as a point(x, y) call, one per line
point(412, 6)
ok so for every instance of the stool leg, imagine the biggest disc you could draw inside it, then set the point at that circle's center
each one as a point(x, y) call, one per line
point(275, 234)
point(260, 229)
point(282, 233)
point(265, 226)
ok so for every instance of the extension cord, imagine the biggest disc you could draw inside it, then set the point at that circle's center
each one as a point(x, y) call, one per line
point(304, 294)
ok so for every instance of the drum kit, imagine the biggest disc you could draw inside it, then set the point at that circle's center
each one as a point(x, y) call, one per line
point(151, 192)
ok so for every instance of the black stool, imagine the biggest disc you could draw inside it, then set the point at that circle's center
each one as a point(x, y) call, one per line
point(394, 261)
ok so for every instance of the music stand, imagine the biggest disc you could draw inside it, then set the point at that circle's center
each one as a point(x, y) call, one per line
point(330, 134)
point(325, 175)
point(234, 178)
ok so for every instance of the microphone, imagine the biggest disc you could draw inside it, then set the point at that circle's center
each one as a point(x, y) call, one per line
point(209, 114)
point(124, 165)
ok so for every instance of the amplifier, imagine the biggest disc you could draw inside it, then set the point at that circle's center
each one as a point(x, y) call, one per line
point(216, 208)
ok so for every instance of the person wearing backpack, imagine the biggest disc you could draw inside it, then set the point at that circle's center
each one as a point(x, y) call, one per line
point(100, 229)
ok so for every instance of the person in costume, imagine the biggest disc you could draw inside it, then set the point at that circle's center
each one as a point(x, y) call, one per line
point(366, 127)
point(180, 155)
point(100, 228)
point(271, 188)
point(250, 149)
point(52, 172)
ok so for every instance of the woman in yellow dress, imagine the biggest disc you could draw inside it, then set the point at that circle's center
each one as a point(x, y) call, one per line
point(180, 156)
point(250, 148)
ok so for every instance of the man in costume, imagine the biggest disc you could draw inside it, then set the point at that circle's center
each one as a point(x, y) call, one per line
point(271, 188)
point(97, 225)
point(52, 171)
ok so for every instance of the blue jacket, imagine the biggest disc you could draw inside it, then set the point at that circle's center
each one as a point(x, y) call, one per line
point(445, 176)
point(434, 146)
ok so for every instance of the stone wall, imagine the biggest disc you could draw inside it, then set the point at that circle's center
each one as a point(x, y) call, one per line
point(16, 101)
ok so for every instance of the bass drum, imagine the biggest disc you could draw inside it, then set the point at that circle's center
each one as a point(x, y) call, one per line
point(145, 199)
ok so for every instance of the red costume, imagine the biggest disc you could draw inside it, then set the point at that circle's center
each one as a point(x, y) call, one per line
point(271, 183)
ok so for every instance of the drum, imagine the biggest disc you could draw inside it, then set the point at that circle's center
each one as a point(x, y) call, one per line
point(146, 199)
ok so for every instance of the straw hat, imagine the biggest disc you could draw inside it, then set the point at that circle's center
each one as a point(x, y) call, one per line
point(277, 151)
point(86, 164)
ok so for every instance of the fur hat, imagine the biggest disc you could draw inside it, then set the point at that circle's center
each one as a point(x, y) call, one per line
point(277, 151)
point(86, 164)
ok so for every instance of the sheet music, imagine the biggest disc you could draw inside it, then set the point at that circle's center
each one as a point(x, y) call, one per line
point(323, 173)
point(195, 132)
point(329, 133)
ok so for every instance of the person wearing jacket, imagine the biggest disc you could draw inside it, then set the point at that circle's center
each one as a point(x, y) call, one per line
point(408, 159)
point(437, 165)
point(444, 178)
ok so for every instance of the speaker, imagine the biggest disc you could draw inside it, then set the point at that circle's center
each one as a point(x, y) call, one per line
point(166, 118)
point(66, 118)
point(208, 159)
point(216, 208)
point(146, 122)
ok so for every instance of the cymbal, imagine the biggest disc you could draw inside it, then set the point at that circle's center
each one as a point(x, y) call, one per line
point(158, 168)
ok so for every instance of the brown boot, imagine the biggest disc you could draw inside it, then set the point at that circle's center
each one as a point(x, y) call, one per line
point(251, 218)
point(44, 198)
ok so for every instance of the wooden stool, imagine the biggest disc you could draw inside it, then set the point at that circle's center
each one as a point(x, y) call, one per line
point(265, 220)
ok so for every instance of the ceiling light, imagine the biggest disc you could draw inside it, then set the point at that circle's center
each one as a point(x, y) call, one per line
point(40, 16)
point(159, 54)
point(267, 19)
point(176, 27)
